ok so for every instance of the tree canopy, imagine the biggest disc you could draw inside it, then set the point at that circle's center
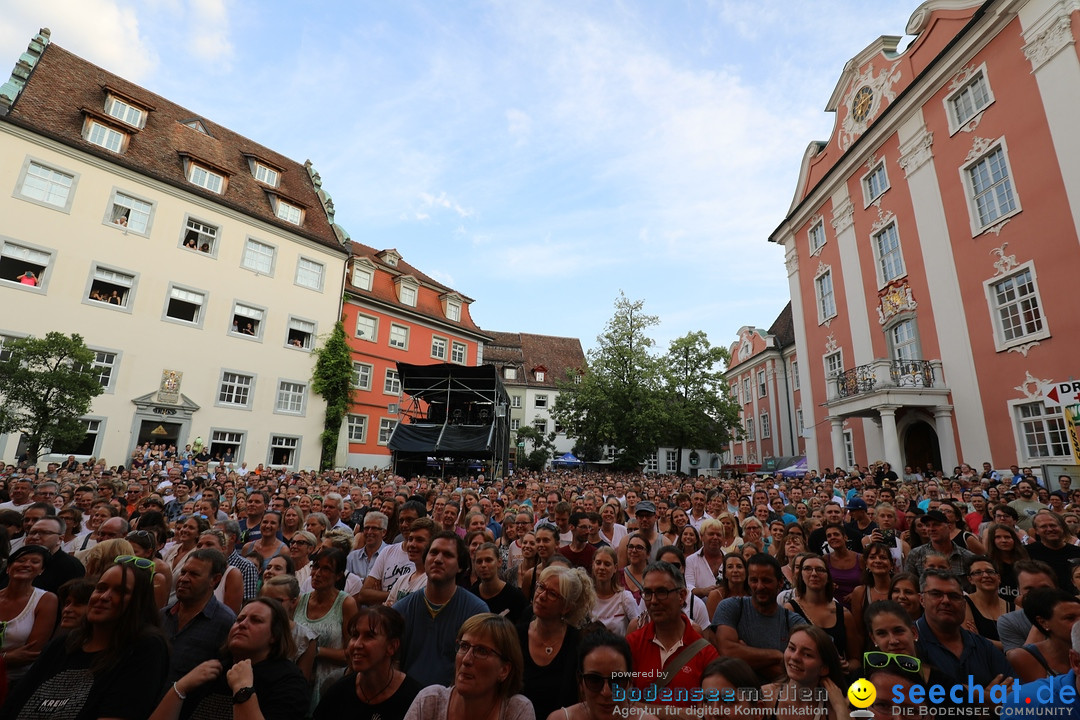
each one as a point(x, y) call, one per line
point(332, 380)
point(636, 401)
point(46, 386)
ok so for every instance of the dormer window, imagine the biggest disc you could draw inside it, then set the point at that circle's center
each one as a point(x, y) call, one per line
point(288, 212)
point(363, 276)
point(124, 112)
point(540, 373)
point(206, 178)
point(408, 290)
point(510, 373)
point(389, 257)
point(196, 125)
point(105, 136)
point(452, 307)
point(266, 175)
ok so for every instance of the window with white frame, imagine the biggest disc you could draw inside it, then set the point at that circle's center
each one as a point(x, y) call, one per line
point(111, 287)
point(540, 375)
point(834, 364)
point(540, 401)
point(104, 367)
point(200, 236)
point(105, 136)
point(826, 298)
point(438, 347)
point(889, 256)
point(671, 461)
point(131, 213)
point(24, 265)
point(124, 112)
point(88, 444)
point(290, 397)
point(5, 347)
point(849, 448)
point(652, 462)
point(367, 328)
point(748, 427)
point(457, 354)
point(736, 393)
point(235, 389)
point(265, 174)
point(479, 352)
point(746, 391)
point(309, 274)
point(247, 320)
point(407, 294)
point(515, 401)
point(206, 178)
point(762, 387)
point(798, 422)
point(510, 373)
point(540, 425)
point(904, 340)
point(875, 183)
point(361, 375)
point(610, 451)
point(453, 310)
point(392, 382)
point(185, 305)
point(284, 450)
point(817, 237)
point(47, 186)
point(968, 100)
point(794, 374)
point(1016, 308)
point(288, 212)
point(357, 425)
point(363, 277)
point(990, 187)
point(1042, 430)
point(301, 333)
point(226, 444)
point(399, 336)
point(515, 423)
point(386, 429)
point(766, 428)
point(259, 257)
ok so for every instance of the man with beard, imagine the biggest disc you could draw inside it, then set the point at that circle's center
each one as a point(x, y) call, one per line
point(1052, 548)
point(1027, 504)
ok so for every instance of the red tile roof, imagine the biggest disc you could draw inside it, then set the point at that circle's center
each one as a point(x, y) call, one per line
point(555, 355)
point(63, 87)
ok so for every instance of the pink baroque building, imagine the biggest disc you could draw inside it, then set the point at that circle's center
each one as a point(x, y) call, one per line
point(763, 375)
point(933, 240)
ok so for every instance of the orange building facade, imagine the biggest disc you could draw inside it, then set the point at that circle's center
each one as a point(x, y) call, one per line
point(395, 313)
point(934, 239)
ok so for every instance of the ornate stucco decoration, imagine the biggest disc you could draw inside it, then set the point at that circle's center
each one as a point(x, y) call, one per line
point(881, 85)
point(894, 299)
point(1026, 389)
point(1005, 263)
point(791, 259)
point(830, 344)
point(883, 217)
point(1051, 37)
point(843, 216)
point(979, 145)
point(1023, 349)
point(916, 152)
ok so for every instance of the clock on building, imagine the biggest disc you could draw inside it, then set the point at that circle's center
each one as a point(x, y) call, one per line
point(860, 104)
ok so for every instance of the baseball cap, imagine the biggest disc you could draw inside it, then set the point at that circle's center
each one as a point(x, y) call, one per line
point(935, 516)
point(856, 503)
point(645, 506)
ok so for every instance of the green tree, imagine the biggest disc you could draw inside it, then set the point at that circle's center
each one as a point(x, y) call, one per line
point(618, 400)
point(46, 385)
point(699, 412)
point(332, 380)
point(543, 448)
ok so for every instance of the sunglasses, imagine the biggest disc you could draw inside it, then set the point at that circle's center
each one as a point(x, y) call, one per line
point(879, 660)
point(594, 682)
point(139, 562)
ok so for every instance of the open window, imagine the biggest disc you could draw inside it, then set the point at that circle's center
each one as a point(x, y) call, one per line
point(247, 321)
point(200, 237)
point(111, 287)
point(130, 213)
point(301, 333)
point(185, 305)
point(24, 265)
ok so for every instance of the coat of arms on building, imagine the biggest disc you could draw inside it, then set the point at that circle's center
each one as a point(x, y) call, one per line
point(169, 390)
point(894, 299)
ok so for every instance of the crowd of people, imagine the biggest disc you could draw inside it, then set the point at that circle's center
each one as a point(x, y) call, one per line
point(176, 588)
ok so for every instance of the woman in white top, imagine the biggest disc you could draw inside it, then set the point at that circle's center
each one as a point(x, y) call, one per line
point(28, 613)
point(610, 531)
point(615, 605)
point(230, 589)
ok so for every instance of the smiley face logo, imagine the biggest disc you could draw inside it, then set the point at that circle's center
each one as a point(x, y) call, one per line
point(862, 693)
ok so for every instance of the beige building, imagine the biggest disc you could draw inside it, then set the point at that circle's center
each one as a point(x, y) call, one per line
point(200, 266)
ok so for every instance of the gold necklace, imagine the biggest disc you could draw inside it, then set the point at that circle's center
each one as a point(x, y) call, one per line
point(432, 608)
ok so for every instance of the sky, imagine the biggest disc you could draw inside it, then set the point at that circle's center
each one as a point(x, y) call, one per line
point(539, 157)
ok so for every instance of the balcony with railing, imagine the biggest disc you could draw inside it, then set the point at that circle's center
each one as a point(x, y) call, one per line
point(918, 382)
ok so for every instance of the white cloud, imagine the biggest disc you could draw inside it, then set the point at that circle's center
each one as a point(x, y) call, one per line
point(105, 32)
point(208, 31)
point(444, 201)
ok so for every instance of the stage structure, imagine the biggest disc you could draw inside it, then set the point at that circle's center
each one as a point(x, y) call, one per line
point(453, 417)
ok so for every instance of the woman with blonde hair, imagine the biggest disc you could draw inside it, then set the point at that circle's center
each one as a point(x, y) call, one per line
point(564, 598)
point(487, 677)
point(615, 605)
point(102, 556)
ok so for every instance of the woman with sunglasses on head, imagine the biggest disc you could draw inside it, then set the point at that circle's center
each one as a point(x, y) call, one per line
point(254, 680)
point(984, 605)
point(113, 665)
point(604, 663)
point(301, 548)
point(487, 677)
point(27, 613)
point(564, 598)
point(230, 589)
point(375, 686)
point(811, 663)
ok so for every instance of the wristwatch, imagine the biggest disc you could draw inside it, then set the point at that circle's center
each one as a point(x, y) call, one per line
point(243, 695)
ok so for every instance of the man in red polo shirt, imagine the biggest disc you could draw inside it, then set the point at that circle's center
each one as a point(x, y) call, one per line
point(666, 651)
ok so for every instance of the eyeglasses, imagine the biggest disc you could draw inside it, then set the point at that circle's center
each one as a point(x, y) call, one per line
point(545, 590)
point(636, 547)
point(660, 594)
point(139, 562)
point(980, 573)
point(294, 543)
point(814, 570)
point(879, 660)
point(594, 682)
point(479, 651)
point(938, 596)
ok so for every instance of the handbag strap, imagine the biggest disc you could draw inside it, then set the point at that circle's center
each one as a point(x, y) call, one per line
point(665, 676)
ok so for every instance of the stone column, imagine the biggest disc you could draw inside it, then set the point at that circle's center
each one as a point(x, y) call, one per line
point(946, 439)
point(889, 437)
point(839, 459)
